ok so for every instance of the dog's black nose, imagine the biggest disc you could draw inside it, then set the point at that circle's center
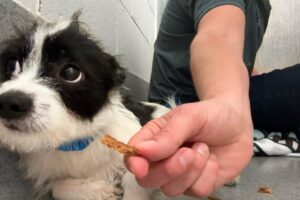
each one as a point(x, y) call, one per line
point(15, 105)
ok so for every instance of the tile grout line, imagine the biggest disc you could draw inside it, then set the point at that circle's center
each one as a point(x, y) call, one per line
point(38, 7)
point(151, 7)
point(135, 23)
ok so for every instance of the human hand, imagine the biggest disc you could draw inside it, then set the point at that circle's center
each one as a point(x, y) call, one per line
point(193, 149)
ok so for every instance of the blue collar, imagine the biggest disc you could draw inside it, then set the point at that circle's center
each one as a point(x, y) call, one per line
point(76, 145)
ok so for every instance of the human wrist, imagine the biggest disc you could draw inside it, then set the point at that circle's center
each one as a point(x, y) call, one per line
point(230, 88)
point(237, 103)
point(230, 97)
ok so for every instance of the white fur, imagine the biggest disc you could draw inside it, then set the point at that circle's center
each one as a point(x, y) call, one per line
point(97, 165)
point(159, 109)
point(95, 168)
point(91, 174)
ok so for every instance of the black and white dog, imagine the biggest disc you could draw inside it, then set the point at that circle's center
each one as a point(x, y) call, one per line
point(60, 92)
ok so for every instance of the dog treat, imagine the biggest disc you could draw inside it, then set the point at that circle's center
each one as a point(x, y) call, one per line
point(118, 146)
point(213, 198)
point(265, 189)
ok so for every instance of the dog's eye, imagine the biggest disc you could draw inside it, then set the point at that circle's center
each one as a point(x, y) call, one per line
point(71, 73)
point(13, 67)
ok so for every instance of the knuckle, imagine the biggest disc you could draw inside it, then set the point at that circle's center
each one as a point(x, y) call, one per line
point(200, 163)
point(206, 192)
point(169, 191)
point(173, 171)
point(155, 125)
point(201, 192)
point(144, 183)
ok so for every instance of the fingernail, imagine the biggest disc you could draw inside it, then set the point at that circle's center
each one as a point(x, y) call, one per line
point(202, 149)
point(186, 158)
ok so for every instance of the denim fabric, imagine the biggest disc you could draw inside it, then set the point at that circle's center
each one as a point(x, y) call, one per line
point(274, 99)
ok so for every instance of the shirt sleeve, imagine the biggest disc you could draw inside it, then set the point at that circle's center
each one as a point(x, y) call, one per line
point(201, 7)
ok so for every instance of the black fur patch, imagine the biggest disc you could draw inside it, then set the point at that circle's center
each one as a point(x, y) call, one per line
point(141, 111)
point(101, 71)
point(16, 48)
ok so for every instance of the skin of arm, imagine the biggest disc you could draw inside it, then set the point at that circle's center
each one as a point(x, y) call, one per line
point(217, 63)
point(218, 129)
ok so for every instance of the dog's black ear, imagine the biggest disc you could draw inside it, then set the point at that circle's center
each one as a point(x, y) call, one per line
point(119, 72)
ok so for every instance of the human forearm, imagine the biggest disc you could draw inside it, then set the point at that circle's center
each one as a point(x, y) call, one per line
point(218, 127)
point(217, 63)
point(218, 70)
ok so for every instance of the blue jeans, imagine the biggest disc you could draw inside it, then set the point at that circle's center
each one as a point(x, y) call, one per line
point(274, 99)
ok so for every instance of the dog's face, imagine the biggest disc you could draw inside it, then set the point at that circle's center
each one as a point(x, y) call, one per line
point(55, 81)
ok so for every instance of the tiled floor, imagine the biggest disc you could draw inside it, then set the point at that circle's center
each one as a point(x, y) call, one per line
point(12, 186)
point(280, 173)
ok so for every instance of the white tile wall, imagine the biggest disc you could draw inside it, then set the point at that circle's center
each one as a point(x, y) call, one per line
point(144, 18)
point(129, 27)
point(135, 36)
point(9, 20)
point(99, 16)
point(153, 5)
point(126, 27)
point(32, 5)
point(281, 45)
point(128, 4)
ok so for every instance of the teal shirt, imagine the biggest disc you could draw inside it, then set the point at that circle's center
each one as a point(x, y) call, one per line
point(170, 71)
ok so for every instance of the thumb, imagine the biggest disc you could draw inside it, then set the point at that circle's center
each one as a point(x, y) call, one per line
point(161, 137)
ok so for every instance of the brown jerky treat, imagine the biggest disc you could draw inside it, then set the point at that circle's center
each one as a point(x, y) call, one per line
point(213, 198)
point(119, 146)
point(265, 190)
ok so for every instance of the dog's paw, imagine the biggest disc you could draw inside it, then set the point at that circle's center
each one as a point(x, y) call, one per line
point(111, 192)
